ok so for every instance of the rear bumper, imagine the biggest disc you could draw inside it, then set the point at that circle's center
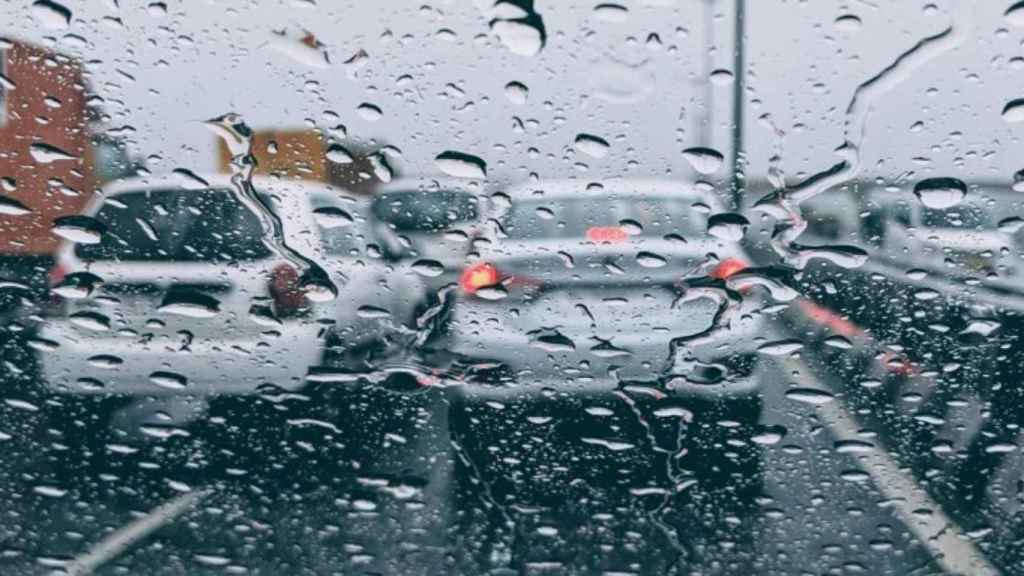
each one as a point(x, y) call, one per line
point(210, 368)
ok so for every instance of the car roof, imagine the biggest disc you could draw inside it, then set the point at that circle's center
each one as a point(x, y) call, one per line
point(621, 188)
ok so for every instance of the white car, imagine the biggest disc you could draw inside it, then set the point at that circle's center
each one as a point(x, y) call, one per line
point(602, 319)
point(179, 297)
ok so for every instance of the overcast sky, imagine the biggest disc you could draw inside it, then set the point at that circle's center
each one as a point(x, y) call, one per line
point(640, 79)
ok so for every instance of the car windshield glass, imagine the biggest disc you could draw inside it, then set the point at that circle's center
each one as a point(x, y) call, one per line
point(179, 225)
point(512, 287)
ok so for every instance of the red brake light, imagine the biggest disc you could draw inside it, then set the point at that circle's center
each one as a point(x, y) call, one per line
point(477, 276)
point(57, 275)
point(609, 234)
point(285, 290)
point(728, 267)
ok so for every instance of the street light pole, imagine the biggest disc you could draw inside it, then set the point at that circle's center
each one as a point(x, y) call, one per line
point(737, 104)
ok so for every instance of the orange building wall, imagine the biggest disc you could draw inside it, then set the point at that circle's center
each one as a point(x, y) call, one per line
point(29, 118)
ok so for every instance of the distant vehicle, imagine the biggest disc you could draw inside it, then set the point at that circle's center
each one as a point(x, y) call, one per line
point(566, 320)
point(180, 299)
point(428, 220)
point(976, 238)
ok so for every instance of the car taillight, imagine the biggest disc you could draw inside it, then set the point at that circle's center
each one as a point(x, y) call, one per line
point(289, 297)
point(54, 304)
point(728, 267)
point(477, 276)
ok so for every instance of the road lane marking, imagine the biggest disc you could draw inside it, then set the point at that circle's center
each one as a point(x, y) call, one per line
point(128, 535)
point(951, 548)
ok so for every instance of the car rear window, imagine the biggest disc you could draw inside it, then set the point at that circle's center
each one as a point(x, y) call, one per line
point(572, 218)
point(176, 225)
point(418, 211)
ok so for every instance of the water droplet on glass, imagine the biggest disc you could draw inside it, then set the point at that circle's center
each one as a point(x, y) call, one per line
point(90, 321)
point(551, 340)
point(591, 145)
point(190, 180)
point(369, 112)
point(940, 193)
point(781, 347)
point(1015, 14)
point(107, 361)
point(728, 226)
point(1014, 110)
point(189, 304)
point(848, 23)
point(769, 435)
point(169, 380)
point(810, 395)
point(45, 154)
point(428, 268)
point(80, 229)
point(524, 37)
point(611, 12)
point(11, 207)
point(381, 169)
point(461, 165)
point(302, 47)
point(704, 160)
point(337, 154)
point(721, 77)
point(332, 217)
point(651, 260)
point(50, 491)
point(517, 93)
point(1011, 225)
point(77, 285)
point(51, 15)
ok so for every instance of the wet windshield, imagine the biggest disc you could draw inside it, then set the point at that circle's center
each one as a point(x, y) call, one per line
point(511, 287)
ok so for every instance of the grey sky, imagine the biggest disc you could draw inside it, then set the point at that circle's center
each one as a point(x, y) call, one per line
point(163, 74)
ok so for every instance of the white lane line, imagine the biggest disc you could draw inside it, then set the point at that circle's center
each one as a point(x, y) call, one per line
point(128, 535)
point(951, 548)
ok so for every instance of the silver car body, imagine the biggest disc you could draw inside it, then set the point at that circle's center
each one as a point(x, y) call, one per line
point(149, 350)
point(589, 315)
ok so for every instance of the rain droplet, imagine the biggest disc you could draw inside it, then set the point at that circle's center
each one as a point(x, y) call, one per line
point(524, 37)
point(704, 160)
point(496, 292)
point(90, 320)
point(940, 193)
point(926, 294)
point(810, 396)
point(551, 341)
point(1014, 110)
point(461, 165)
point(51, 14)
point(517, 93)
point(11, 207)
point(78, 285)
point(50, 491)
point(332, 217)
point(190, 180)
point(611, 12)
point(591, 145)
point(1015, 14)
point(337, 154)
point(190, 304)
point(80, 229)
point(369, 112)
point(428, 268)
point(1011, 225)
point(107, 361)
point(721, 77)
point(651, 260)
point(303, 48)
point(781, 347)
point(372, 312)
point(848, 23)
point(45, 154)
point(728, 226)
point(769, 435)
point(840, 342)
point(169, 380)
